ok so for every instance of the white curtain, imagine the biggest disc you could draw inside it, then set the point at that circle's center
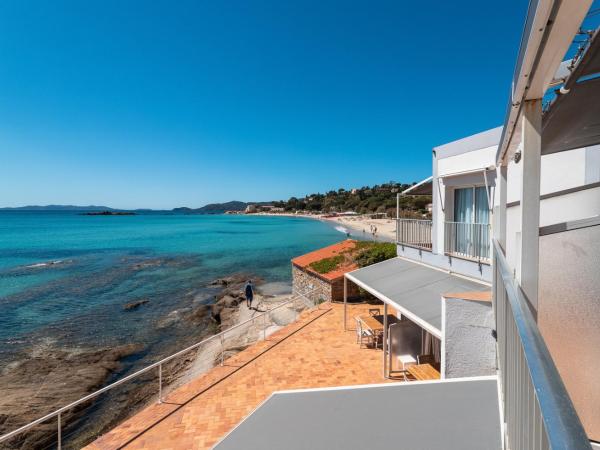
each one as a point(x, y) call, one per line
point(482, 210)
point(463, 205)
point(463, 213)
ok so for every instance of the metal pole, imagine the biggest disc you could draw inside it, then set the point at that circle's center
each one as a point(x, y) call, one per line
point(397, 217)
point(160, 383)
point(294, 307)
point(59, 431)
point(222, 349)
point(385, 339)
point(501, 216)
point(345, 302)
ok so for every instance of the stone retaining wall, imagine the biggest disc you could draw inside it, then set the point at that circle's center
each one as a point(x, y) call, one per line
point(321, 290)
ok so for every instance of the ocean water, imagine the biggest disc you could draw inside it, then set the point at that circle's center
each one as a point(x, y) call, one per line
point(66, 277)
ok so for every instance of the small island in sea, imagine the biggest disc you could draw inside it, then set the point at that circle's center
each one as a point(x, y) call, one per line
point(108, 213)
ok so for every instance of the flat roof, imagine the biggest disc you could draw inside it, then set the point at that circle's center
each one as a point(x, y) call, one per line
point(449, 414)
point(330, 251)
point(413, 289)
point(485, 139)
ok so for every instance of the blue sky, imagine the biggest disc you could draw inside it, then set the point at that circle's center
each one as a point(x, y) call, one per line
point(163, 104)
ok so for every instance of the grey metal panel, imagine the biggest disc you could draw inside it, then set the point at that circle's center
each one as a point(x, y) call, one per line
point(572, 120)
point(414, 287)
point(443, 415)
point(569, 315)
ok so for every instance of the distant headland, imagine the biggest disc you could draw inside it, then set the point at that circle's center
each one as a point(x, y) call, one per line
point(380, 199)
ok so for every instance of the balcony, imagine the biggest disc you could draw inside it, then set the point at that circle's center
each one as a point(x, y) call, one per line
point(468, 240)
point(414, 233)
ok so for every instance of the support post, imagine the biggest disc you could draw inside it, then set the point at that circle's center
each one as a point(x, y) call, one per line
point(530, 200)
point(222, 349)
point(160, 383)
point(59, 435)
point(385, 339)
point(501, 215)
point(397, 218)
point(345, 303)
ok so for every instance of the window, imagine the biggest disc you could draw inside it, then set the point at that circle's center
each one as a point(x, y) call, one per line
point(471, 205)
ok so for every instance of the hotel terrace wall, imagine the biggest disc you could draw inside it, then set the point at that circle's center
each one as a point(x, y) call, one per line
point(328, 286)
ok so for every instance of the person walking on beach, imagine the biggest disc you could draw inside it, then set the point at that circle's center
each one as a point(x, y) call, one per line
point(249, 291)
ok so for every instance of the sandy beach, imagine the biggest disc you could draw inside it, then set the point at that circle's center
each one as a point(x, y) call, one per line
point(361, 226)
point(386, 228)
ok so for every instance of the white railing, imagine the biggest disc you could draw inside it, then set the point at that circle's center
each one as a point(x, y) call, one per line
point(414, 233)
point(262, 321)
point(468, 240)
point(537, 410)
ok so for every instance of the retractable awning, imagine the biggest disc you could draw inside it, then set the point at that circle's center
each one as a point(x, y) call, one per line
point(413, 289)
point(572, 120)
point(421, 188)
point(458, 413)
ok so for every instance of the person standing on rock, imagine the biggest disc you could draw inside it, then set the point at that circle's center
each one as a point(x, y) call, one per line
point(249, 291)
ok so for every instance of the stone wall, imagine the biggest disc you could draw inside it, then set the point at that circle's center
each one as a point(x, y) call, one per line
point(321, 290)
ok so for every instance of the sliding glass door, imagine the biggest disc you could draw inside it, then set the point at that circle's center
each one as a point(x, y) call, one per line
point(470, 230)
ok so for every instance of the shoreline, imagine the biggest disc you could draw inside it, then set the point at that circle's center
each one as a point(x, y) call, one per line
point(50, 376)
point(361, 224)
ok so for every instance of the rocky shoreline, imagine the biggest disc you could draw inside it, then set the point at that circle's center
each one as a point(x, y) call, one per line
point(50, 376)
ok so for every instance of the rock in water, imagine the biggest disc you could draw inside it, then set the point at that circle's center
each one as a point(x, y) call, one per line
point(135, 304)
point(42, 383)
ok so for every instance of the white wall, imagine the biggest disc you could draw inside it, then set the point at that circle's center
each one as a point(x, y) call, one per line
point(469, 346)
point(473, 160)
point(559, 171)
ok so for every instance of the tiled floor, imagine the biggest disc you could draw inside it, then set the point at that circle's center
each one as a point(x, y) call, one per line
point(313, 352)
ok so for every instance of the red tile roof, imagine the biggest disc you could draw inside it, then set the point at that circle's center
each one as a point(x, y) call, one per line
point(306, 260)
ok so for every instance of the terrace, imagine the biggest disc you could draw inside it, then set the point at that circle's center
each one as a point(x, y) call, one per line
point(313, 352)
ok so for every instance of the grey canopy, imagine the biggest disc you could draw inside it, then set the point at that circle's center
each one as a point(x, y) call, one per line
point(413, 289)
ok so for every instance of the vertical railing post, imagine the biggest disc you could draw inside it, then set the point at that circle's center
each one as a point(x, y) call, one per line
point(265, 326)
point(59, 434)
point(222, 349)
point(345, 303)
point(294, 307)
point(160, 383)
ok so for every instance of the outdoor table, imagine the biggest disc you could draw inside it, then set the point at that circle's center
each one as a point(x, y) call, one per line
point(423, 372)
point(372, 323)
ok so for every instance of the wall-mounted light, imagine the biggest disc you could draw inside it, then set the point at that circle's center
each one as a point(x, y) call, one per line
point(517, 157)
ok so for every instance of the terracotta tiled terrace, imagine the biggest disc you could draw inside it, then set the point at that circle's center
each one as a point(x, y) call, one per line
point(312, 352)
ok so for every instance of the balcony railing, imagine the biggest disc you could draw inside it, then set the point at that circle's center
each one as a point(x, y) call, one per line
point(414, 233)
point(467, 240)
point(538, 412)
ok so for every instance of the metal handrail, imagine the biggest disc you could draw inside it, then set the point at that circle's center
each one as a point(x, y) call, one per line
point(539, 393)
point(465, 239)
point(57, 413)
point(414, 233)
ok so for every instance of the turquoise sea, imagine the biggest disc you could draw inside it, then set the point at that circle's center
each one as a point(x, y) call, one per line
point(66, 277)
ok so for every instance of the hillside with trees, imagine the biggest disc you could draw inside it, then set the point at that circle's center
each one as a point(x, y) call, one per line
point(367, 199)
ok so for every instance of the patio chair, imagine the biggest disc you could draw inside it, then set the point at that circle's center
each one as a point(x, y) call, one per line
point(374, 312)
point(362, 334)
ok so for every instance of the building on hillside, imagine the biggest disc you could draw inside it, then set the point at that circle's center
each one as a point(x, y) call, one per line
point(306, 280)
